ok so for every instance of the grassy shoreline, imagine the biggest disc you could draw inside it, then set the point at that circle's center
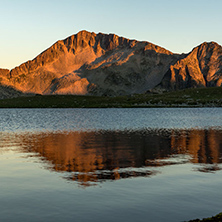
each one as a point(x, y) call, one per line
point(199, 97)
point(217, 218)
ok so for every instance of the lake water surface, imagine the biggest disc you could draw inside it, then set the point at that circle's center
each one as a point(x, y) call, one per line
point(110, 164)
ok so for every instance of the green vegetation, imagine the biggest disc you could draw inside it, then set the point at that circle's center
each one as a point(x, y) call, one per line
point(217, 218)
point(199, 97)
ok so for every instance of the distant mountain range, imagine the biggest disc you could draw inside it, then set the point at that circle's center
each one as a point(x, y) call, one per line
point(106, 64)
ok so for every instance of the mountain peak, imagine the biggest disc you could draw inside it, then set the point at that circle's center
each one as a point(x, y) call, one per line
point(211, 43)
point(202, 67)
point(208, 46)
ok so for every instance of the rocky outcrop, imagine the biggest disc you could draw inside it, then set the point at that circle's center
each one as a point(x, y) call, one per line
point(200, 68)
point(106, 64)
point(4, 72)
point(7, 91)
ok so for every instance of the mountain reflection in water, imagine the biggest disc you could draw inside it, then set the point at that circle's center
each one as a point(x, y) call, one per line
point(91, 157)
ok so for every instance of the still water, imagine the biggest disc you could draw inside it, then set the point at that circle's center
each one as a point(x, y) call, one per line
point(110, 164)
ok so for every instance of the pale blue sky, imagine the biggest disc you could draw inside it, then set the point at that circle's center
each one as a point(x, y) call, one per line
point(30, 26)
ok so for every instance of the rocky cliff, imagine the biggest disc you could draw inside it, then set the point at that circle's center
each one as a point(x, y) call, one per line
point(7, 91)
point(101, 64)
point(200, 68)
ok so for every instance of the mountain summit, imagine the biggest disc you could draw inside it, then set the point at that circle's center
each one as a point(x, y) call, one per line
point(106, 64)
point(200, 68)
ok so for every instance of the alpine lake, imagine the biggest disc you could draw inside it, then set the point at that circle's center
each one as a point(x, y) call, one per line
point(116, 164)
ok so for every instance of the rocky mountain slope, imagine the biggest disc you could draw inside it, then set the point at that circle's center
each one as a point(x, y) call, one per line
point(200, 68)
point(7, 91)
point(101, 64)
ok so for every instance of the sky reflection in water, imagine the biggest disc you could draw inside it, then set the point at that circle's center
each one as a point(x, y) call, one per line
point(115, 164)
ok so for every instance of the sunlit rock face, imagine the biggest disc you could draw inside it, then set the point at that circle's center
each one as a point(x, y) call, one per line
point(200, 68)
point(7, 91)
point(106, 64)
point(4, 73)
point(89, 63)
